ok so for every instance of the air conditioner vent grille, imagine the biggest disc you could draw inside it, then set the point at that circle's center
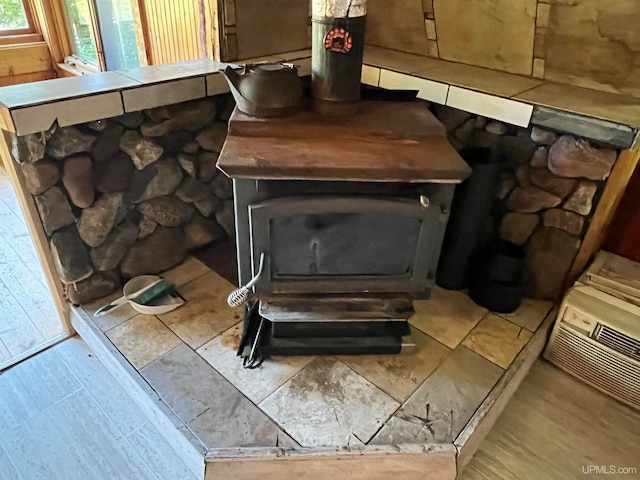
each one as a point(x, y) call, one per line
point(618, 341)
point(613, 374)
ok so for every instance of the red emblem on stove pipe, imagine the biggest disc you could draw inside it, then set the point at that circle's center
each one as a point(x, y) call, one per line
point(338, 40)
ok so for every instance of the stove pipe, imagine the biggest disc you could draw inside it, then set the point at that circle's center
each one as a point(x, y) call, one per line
point(337, 48)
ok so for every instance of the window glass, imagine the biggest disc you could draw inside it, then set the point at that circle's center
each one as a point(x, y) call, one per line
point(118, 34)
point(80, 24)
point(13, 16)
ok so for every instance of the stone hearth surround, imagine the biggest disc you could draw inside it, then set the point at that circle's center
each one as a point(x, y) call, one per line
point(85, 103)
point(130, 195)
point(550, 185)
point(128, 168)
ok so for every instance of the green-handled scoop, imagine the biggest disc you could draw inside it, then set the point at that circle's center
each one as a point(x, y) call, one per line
point(144, 296)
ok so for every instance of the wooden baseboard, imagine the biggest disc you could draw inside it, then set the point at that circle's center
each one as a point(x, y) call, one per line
point(397, 462)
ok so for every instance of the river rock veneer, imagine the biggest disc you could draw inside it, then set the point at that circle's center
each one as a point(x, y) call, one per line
point(143, 190)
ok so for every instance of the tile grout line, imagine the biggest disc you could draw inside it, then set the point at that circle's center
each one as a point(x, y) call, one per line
point(93, 397)
point(19, 305)
point(489, 312)
point(125, 437)
point(242, 394)
point(257, 404)
point(5, 347)
point(12, 462)
point(134, 451)
point(438, 341)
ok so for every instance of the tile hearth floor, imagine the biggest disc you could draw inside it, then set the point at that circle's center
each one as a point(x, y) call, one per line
point(189, 358)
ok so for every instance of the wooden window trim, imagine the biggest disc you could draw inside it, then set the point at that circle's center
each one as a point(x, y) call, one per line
point(20, 39)
point(77, 67)
point(61, 13)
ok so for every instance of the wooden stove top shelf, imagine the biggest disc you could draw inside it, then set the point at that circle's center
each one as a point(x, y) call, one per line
point(383, 142)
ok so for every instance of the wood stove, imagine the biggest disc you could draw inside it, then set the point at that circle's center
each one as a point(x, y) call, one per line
point(341, 219)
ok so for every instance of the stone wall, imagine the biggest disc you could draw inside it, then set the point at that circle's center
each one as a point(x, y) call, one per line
point(129, 195)
point(132, 195)
point(549, 187)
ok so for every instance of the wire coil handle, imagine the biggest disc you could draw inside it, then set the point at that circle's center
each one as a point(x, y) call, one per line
point(240, 295)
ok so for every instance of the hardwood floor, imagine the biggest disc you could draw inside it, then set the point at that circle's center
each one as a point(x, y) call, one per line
point(27, 314)
point(63, 416)
point(554, 427)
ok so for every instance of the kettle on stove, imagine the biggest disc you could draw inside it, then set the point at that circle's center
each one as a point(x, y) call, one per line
point(265, 89)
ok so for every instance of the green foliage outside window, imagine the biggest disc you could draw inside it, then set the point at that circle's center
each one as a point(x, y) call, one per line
point(12, 15)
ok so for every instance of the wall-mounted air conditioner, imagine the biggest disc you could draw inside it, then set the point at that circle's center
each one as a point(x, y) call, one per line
point(596, 338)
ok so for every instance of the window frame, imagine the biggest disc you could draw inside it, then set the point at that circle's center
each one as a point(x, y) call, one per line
point(85, 65)
point(15, 35)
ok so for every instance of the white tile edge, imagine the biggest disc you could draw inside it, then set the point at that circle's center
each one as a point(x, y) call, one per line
point(176, 91)
point(216, 84)
point(429, 90)
point(498, 108)
point(370, 75)
point(39, 118)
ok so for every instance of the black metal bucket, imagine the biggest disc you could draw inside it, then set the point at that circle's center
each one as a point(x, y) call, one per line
point(336, 65)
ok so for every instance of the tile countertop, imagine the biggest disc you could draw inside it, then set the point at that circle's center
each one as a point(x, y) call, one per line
point(33, 107)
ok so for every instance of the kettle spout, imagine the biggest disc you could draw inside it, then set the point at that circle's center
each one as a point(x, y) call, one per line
point(233, 79)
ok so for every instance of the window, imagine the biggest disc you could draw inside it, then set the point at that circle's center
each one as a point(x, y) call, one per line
point(80, 29)
point(15, 18)
point(102, 33)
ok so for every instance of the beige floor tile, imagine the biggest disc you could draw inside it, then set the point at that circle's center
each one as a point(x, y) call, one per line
point(448, 316)
point(401, 375)
point(530, 314)
point(441, 407)
point(256, 384)
point(206, 313)
point(497, 339)
point(186, 272)
point(142, 339)
point(111, 319)
point(326, 403)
